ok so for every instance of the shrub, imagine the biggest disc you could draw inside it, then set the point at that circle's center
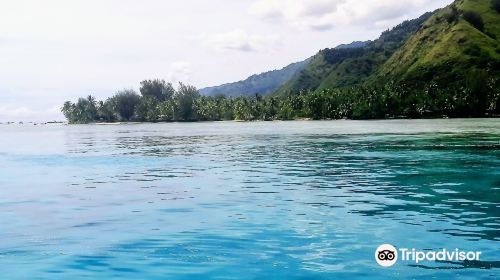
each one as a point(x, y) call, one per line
point(475, 20)
point(473, 50)
point(125, 102)
point(452, 15)
point(495, 5)
point(491, 34)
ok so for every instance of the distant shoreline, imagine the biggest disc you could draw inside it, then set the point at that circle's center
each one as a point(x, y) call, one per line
point(237, 121)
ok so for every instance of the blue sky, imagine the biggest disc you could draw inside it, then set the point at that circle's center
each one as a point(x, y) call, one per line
point(57, 50)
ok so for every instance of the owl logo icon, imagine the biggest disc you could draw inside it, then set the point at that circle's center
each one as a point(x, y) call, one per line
point(386, 255)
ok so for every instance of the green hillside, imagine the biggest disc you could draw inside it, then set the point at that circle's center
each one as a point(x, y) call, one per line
point(263, 84)
point(442, 47)
point(341, 67)
point(453, 42)
point(268, 82)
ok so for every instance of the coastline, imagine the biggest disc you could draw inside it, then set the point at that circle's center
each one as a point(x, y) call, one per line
point(294, 120)
point(238, 121)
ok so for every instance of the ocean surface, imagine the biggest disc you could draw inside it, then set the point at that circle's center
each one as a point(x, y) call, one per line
point(254, 200)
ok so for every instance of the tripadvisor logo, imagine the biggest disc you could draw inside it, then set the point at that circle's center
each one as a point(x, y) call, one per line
point(387, 255)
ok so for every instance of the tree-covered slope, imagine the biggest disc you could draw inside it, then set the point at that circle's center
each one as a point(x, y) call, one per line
point(268, 82)
point(456, 40)
point(342, 67)
point(263, 84)
point(443, 47)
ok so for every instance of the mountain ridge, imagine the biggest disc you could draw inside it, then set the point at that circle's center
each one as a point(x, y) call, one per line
point(267, 82)
point(448, 46)
point(338, 68)
point(441, 47)
point(263, 83)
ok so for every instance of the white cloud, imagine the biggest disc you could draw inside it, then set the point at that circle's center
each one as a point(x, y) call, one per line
point(325, 14)
point(180, 71)
point(310, 14)
point(237, 40)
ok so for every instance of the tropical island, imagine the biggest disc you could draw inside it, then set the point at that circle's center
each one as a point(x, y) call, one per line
point(445, 63)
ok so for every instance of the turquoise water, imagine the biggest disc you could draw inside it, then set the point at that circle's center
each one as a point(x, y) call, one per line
point(263, 200)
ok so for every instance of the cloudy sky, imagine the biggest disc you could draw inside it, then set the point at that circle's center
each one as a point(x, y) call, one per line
point(57, 50)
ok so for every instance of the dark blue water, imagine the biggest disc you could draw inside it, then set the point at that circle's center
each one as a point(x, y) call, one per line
point(265, 200)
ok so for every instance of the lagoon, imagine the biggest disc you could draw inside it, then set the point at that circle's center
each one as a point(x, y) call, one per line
point(248, 200)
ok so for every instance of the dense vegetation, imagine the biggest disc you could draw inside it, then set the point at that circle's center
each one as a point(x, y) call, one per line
point(445, 63)
point(159, 102)
point(442, 47)
point(495, 5)
point(453, 43)
point(346, 67)
point(268, 82)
